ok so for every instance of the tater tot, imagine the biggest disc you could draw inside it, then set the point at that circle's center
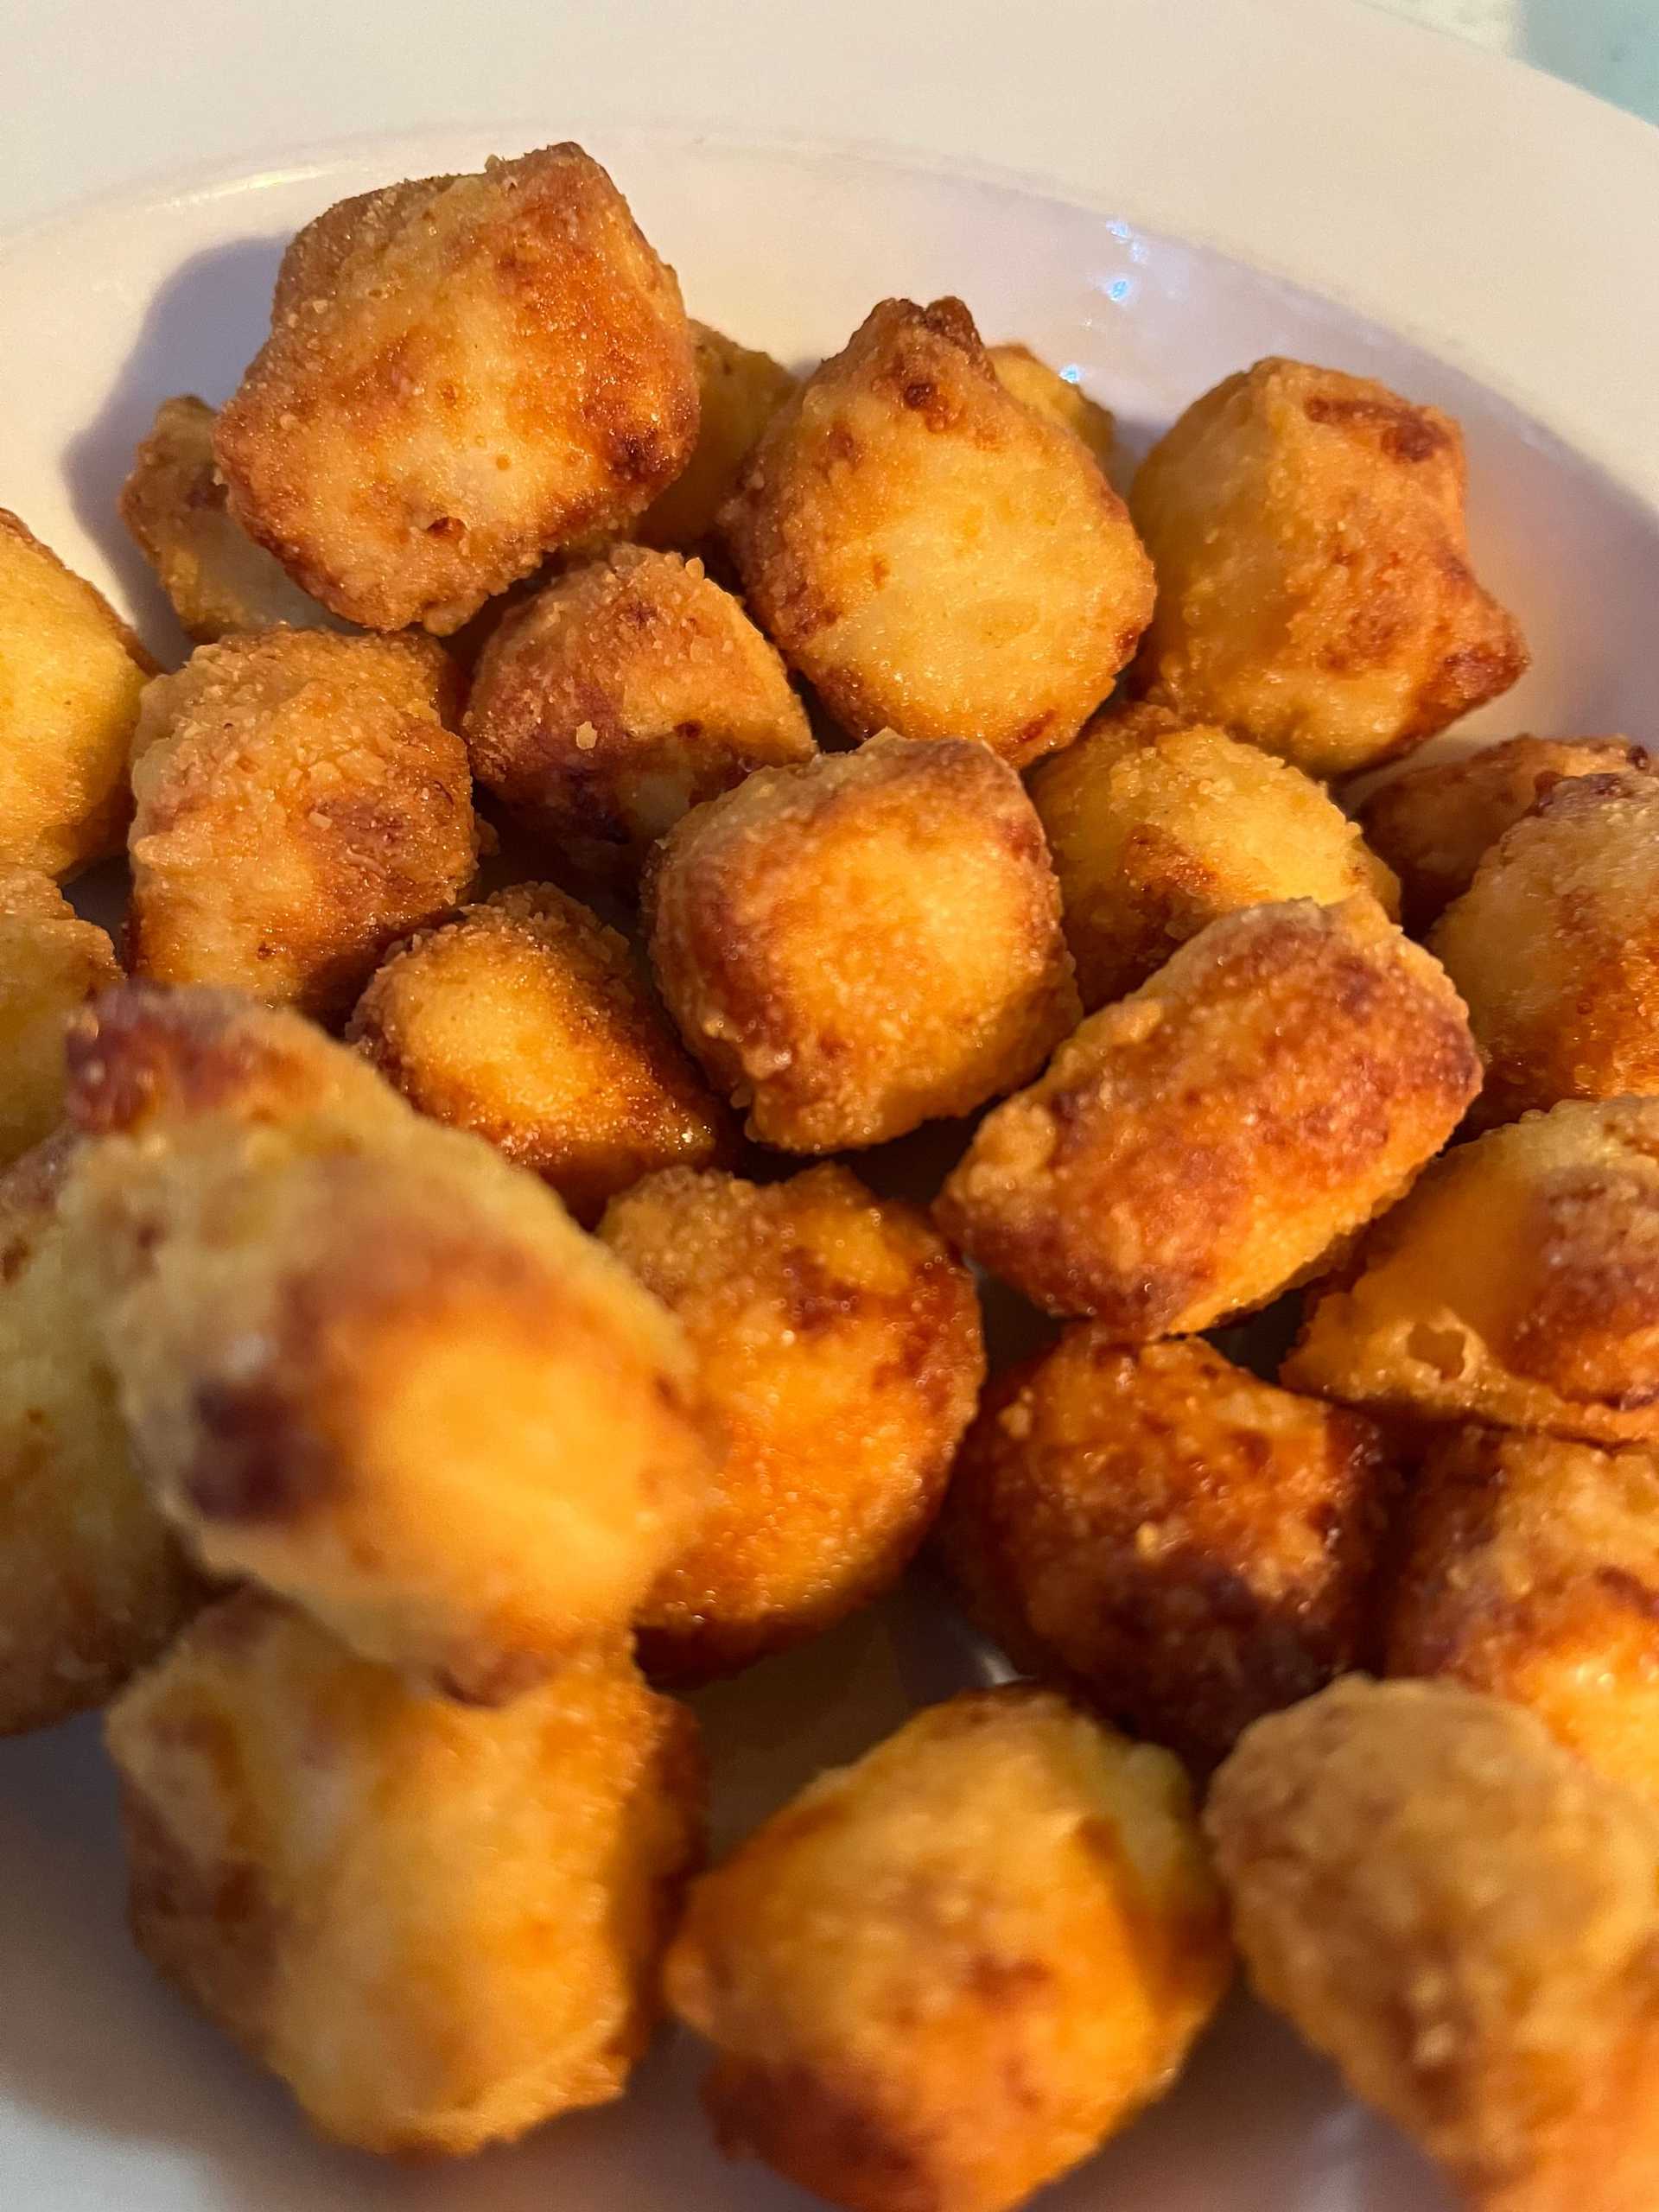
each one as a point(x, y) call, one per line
point(1035, 385)
point(528, 1021)
point(364, 1359)
point(739, 391)
point(300, 804)
point(1462, 1916)
point(945, 1974)
point(1206, 1142)
point(618, 697)
point(1432, 825)
point(92, 1582)
point(1518, 1284)
point(1531, 1570)
point(1555, 947)
point(463, 372)
point(1158, 825)
point(439, 1926)
point(1184, 1546)
point(864, 943)
point(935, 557)
point(174, 502)
point(838, 1342)
point(1315, 594)
point(51, 961)
point(70, 673)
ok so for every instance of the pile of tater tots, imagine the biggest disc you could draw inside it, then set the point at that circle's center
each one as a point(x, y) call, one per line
point(452, 1304)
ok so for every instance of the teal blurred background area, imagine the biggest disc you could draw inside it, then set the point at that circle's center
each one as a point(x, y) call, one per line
point(1610, 47)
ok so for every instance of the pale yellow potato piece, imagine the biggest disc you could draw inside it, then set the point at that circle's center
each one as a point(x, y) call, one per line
point(51, 961)
point(739, 391)
point(1035, 385)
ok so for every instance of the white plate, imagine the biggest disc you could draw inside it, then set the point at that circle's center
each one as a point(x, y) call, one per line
point(1291, 150)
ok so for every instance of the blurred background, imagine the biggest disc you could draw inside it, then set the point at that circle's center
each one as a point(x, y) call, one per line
point(1610, 47)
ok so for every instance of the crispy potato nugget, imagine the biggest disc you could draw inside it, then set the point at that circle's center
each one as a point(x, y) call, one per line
point(367, 1362)
point(441, 1926)
point(1518, 1284)
point(1432, 825)
point(739, 391)
point(937, 557)
point(945, 1974)
point(838, 1340)
point(300, 805)
point(864, 943)
point(618, 697)
point(1556, 948)
point(1463, 1917)
point(1036, 385)
point(529, 1022)
point(174, 502)
point(1315, 594)
point(92, 1581)
point(1204, 1143)
point(70, 673)
point(1531, 1570)
point(1180, 1544)
point(463, 372)
point(1158, 825)
point(51, 961)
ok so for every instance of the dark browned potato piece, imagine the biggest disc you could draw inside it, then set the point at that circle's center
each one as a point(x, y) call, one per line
point(945, 1976)
point(51, 961)
point(1555, 947)
point(462, 374)
point(1183, 1546)
point(618, 697)
point(1531, 1571)
point(838, 1342)
point(1158, 825)
point(71, 674)
point(92, 1582)
point(1462, 1916)
point(864, 943)
point(439, 1926)
point(174, 502)
point(1315, 594)
point(1517, 1284)
point(528, 1021)
point(739, 391)
point(301, 806)
point(1432, 825)
point(1206, 1142)
point(937, 557)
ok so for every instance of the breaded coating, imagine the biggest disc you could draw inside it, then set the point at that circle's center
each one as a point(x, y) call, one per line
point(1432, 825)
point(367, 1362)
point(1158, 825)
point(51, 961)
point(1463, 1917)
point(838, 1341)
point(945, 1974)
point(71, 672)
point(1531, 1570)
point(528, 1021)
point(1314, 593)
point(1035, 385)
point(300, 805)
point(92, 1581)
point(1205, 1143)
point(864, 943)
point(937, 557)
point(463, 372)
point(618, 697)
point(1518, 1284)
point(1183, 1546)
point(739, 391)
point(1555, 947)
point(440, 1926)
point(174, 502)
